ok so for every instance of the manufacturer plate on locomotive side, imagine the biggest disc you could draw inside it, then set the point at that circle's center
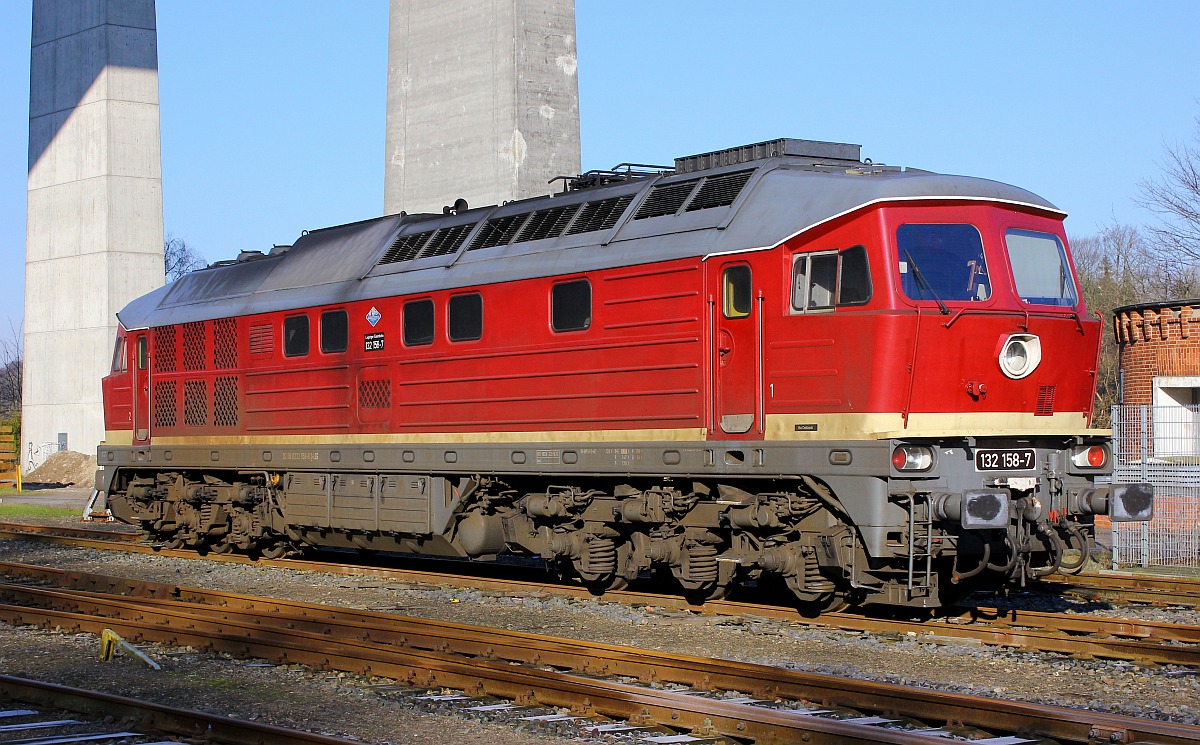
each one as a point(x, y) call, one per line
point(373, 342)
point(1014, 459)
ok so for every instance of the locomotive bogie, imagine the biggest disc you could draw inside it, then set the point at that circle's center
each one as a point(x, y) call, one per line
point(856, 382)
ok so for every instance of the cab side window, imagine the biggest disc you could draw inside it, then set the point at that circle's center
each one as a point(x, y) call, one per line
point(826, 279)
point(120, 364)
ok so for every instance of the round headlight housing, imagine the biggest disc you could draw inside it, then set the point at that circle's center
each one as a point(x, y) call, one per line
point(1020, 355)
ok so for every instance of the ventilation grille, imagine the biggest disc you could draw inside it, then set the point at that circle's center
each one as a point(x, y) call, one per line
point(547, 223)
point(498, 232)
point(719, 191)
point(164, 404)
point(599, 215)
point(193, 346)
point(406, 247)
point(666, 199)
point(374, 394)
point(446, 241)
point(1045, 401)
point(262, 339)
point(225, 402)
point(164, 349)
point(195, 402)
point(225, 354)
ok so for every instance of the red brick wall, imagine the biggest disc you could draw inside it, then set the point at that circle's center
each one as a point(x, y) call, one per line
point(1153, 342)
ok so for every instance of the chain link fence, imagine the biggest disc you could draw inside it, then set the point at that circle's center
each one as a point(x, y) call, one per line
point(1159, 445)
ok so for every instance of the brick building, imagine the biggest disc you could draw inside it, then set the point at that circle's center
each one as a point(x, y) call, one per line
point(1160, 353)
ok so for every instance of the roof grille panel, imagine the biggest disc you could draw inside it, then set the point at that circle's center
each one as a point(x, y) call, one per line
point(666, 199)
point(599, 215)
point(719, 191)
point(406, 247)
point(498, 232)
point(446, 240)
point(547, 223)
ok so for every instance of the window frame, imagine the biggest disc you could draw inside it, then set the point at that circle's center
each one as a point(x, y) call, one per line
point(287, 345)
point(450, 315)
point(345, 330)
point(120, 360)
point(836, 300)
point(555, 303)
point(902, 257)
point(730, 290)
point(423, 340)
point(1064, 264)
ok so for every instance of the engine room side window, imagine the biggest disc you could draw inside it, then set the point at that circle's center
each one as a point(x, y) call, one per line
point(418, 323)
point(822, 280)
point(143, 353)
point(465, 317)
point(1040, 269)
point(295, 336)
point(335, 334)
point(571, 305)
point(736, 291)
point(942, 262)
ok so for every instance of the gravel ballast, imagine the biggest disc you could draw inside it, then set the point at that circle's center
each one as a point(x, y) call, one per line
point(347, 705)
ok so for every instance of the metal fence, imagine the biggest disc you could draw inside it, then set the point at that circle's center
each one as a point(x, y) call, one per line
point(1159, 445)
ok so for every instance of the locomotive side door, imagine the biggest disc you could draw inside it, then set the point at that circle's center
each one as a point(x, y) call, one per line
point(736, 344)
point(141, 388)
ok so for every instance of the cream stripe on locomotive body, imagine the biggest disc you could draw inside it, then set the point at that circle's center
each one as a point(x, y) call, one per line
point(863, 381)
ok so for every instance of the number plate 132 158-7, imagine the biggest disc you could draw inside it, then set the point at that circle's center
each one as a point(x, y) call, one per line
point(1016, 459)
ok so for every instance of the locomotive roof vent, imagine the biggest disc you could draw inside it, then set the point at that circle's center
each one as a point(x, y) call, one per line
point(810, 152)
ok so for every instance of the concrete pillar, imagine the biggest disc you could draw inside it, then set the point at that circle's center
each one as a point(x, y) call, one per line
point(95, 229)
point(483, 101)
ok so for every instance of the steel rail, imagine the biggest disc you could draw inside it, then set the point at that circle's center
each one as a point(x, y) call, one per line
point(1073, 634)
point(258, 618)
point(182, 722)
point(1138, 588)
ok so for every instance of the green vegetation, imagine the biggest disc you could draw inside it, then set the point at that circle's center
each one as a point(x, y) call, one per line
point(33, 510)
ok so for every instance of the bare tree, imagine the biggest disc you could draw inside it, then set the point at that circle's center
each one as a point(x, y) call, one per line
point(179, 258)
point(1116, 267)
point(1175, 198)
point(10, 378)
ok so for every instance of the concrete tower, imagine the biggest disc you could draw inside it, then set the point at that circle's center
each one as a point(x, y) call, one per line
point(95, 231)
point(483, 101)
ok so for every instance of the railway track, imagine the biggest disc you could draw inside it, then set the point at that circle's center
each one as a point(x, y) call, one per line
point(707, 700)
point(152, 722)
point(1143, 642)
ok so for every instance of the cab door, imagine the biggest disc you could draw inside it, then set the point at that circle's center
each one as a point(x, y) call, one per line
point(736, 328)
point(141, 388)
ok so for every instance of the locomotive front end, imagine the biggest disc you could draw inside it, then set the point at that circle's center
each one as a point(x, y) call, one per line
point(997, 453)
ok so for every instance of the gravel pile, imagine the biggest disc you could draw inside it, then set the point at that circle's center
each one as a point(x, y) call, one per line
point(340, 703)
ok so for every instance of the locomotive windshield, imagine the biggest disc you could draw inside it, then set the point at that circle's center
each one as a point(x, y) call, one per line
point(1040, 269)
point(942, 262)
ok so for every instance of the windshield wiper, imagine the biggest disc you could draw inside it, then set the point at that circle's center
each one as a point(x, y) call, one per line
point(925, 283)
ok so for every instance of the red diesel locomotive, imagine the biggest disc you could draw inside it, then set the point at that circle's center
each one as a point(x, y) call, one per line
point(776, 362)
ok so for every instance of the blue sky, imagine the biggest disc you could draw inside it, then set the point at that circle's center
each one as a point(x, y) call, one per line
point(272, 111)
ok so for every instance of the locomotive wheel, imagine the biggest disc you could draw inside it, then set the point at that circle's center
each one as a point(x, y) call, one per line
point(221, 547)
point(173, 543)
point(834, 603)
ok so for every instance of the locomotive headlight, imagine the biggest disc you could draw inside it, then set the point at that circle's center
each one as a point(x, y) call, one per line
point(912, 458)
point(1020, 355)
